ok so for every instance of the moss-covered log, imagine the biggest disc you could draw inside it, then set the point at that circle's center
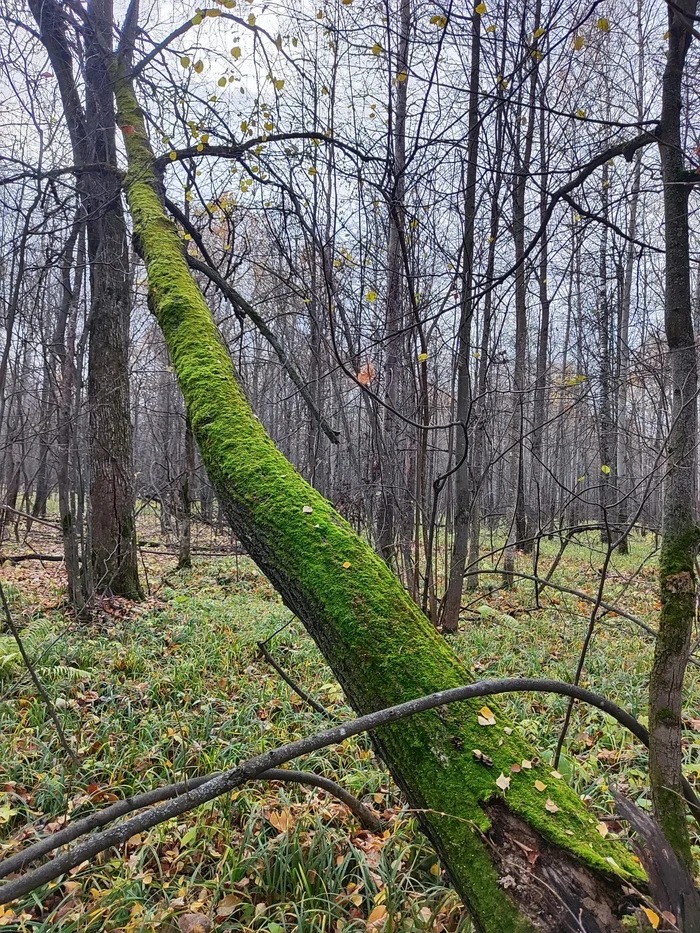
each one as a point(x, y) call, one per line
point(380, 646)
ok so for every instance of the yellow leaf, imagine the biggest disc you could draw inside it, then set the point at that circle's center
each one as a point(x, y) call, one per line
point(440, 21)
point(347, 2)
point(377, 49)
point(269, 127)
point(251, 19)
point(212, 13)
point(402, 76)
point(347, 565)
point(378, 913)
point(605, 469)
point(435, 869)
point(653, 918)
point(222, 82)
point(579, 43)
point(197, 19)
point(486, 713)
point(371, 296)
point(422, 357)
point(185, 62)
point(236, 52)
point(312, 170)
point(540, 786)
point(319, 15)
point(199, 67)
point(604, 24)
point(279, 84)
point(580, 114)
point(491, 28)
point(539, 32)
point(481, 8)
point(173, 156)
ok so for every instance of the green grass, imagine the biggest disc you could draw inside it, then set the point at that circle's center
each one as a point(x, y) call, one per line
point(175, 687)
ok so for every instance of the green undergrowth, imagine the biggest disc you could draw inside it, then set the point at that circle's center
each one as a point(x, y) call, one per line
point(176, 687)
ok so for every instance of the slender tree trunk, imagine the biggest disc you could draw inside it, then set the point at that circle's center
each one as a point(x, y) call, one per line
point(464, 491)
point(517, 531)
point(393, 482)
point(680, 530)
point(186, 490)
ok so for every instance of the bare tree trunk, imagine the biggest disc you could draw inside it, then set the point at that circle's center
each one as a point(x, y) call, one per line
point(517, 531)
point(186, 489)
point(392, 482)
point(113, 558)
point(464, 491)
point(680, 530)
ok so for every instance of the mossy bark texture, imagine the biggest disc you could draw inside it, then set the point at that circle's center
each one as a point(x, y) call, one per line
point(380, 646)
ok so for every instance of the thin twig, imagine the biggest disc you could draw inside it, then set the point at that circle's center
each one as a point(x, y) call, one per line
point(307, 698)
point(37, 682)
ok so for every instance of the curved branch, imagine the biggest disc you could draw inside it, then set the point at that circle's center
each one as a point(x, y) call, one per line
point(210, 788)
point(15, 863)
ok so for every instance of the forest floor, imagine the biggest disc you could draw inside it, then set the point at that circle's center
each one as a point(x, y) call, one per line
point(176, 686)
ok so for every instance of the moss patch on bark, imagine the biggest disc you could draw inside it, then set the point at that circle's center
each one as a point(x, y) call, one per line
point(381, 647)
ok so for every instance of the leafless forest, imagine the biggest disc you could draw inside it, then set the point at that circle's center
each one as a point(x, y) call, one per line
point(452, 254)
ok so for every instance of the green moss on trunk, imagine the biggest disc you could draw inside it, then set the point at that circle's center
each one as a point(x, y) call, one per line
point(381, 647)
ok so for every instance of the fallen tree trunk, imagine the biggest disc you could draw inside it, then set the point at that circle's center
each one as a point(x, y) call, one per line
point(381, 648)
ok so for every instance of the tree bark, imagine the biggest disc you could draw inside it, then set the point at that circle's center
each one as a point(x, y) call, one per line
point(464, 491)
point(680, 530)
point(379, 644)
point(113, 560)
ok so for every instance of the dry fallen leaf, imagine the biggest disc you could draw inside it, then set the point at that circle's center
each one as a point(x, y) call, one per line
point(307, 510)
point(551, 806)
point(502, 781)
point(602, 829)
point(195, 923)
point(515, 768)
point(227, 905)
point(540, 786)
point(281, 820)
